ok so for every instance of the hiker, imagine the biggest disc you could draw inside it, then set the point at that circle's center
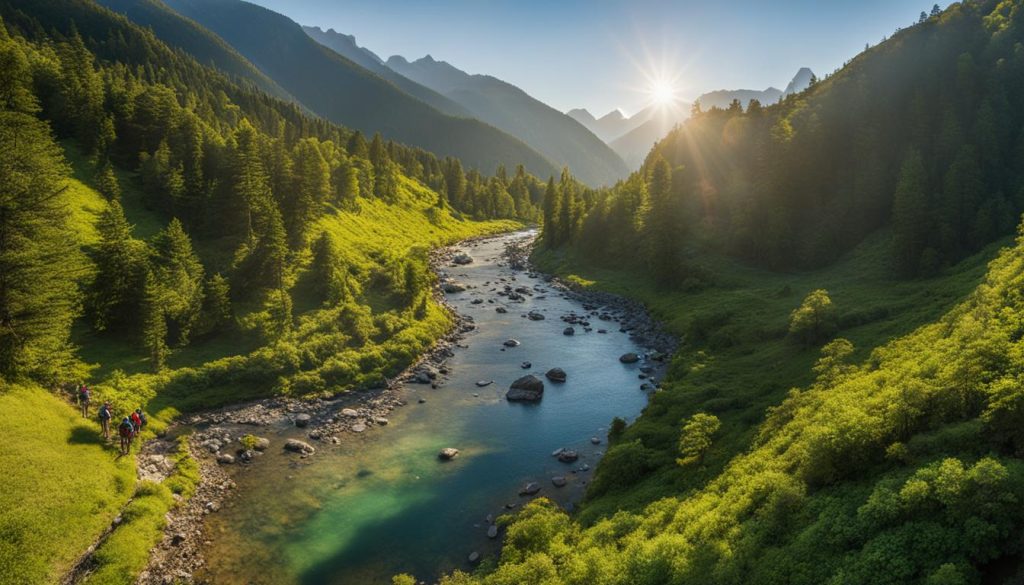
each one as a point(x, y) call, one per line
point(105, 420)
point(84, 396)
point(126, 430)
point(136, 423)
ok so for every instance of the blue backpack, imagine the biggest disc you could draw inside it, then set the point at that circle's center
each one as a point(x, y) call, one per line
point(104, 413)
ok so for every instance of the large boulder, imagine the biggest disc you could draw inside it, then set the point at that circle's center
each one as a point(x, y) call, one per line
point(529, 489)
point(462, 259)
point(535, 316)
point(448, 453)
point(556, 375)
point(529, 388)
point(452, 287)
point(298, 446)
point(568, 456)
point(568, 331)
point(629, 358)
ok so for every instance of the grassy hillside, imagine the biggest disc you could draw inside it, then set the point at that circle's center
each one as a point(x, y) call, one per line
point(897, 464)
point(60, 486)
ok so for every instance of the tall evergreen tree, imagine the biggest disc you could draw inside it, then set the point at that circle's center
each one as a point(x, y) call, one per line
point(39, 260)
point(312, 188)
point(121, 264)
point(551, 234)
point(664, 226)
point(154, 326)
point(910, 214)
point(179, 274)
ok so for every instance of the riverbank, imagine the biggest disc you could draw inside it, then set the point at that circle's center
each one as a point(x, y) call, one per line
point(218, 435)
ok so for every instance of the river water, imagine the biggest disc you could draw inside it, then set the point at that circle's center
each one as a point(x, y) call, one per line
point(381, 502)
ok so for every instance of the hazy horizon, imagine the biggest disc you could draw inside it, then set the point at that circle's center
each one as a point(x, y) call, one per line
point(603, 55)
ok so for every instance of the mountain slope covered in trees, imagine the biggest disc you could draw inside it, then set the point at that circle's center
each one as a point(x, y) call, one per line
point(341, 91)
point(345, 45)
point(550, 132)
point(181, 241)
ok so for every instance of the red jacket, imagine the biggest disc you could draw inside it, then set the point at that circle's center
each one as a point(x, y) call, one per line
point(136, 421)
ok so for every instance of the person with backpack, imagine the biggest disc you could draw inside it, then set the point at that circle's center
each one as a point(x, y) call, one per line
point(136, 423)
point(84, 397)
point(126, 431)
point(105, 417)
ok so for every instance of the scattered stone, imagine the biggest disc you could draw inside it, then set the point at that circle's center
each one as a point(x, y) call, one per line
point(556, 375)
point(568, 456)
point(349, 412)
point(483, 383)
point(595, 440)
point(501, 310)
point(302, 420)
point(477, 302)
point(358, 428)
point(448, 453)
point(225, 459)
point(529, 489)
point(422, 400)
point(474, 557)
point(511, 343)
point(629, 358)
point(568, 331)
point(526, 365)
point(535, 316)
point(380, 420)
point(492, 531)
point(298, 446)
point(529, 388)
point(462, 259)
point(558, 481)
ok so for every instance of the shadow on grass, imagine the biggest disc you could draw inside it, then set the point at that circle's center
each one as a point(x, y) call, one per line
point(83, 435)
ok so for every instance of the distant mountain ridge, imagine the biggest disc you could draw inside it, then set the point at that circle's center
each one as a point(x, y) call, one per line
point(555, 135)
point(345, 45)
point(632, 137)
point(343, 92)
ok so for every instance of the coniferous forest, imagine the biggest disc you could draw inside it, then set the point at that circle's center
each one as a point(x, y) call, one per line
point(190, 222)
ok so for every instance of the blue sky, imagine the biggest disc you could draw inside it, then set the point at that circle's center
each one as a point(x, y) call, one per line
point(604, 54)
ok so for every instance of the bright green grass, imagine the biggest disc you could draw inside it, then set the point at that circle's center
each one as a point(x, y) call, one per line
point(125, 553)
point(60, 485)
point(737, 360)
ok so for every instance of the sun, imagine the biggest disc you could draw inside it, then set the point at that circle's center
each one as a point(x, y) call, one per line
point(663, 92)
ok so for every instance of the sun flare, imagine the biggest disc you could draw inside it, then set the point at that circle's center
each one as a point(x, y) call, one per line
point(663, 92)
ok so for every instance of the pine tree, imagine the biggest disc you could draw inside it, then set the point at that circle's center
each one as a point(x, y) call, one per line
point(345, 182)
point(154, 327)
point(121, 264)
point(39, 260)
point(179, 274)
point(551, 235)
point(910, 214)
point(106, 181)
point(568, 208)
point(312, 188)
point(217, 313)
point(664, 226)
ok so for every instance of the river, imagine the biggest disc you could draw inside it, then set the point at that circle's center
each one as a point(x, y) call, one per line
point(381, 502)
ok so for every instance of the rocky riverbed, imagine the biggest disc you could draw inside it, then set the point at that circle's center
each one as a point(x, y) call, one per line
point(239, 435)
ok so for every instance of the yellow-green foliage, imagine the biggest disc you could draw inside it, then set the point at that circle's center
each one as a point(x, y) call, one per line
point(60, 485)
point(904, 469)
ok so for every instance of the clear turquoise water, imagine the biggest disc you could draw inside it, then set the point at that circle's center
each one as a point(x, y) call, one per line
point(381, 502)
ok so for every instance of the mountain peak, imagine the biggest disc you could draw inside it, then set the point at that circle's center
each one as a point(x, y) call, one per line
point(800, 81)
point(615, 114)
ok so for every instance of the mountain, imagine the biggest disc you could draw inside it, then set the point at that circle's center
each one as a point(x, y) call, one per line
point(723, 97)
point(341, 91)
point(652, 124)
point(801, 81)
point(183, 33)
point(345, 45)
point(612, 125)
point(557, 136)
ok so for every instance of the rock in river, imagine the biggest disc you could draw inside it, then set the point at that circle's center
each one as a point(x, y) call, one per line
point(629, 358)
point(482, 383)
point(535, 316)
point(529, 489)
point(558, 481)
point(302, 420)
point(452, 287)
point(225, 458)
point(462, 259)
point(568, 331)
point(528, 389)
point(492, 531)
point(448, 453)
point(568, 456)
point(511, 343)
point(556, 375)
point(299, 446)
